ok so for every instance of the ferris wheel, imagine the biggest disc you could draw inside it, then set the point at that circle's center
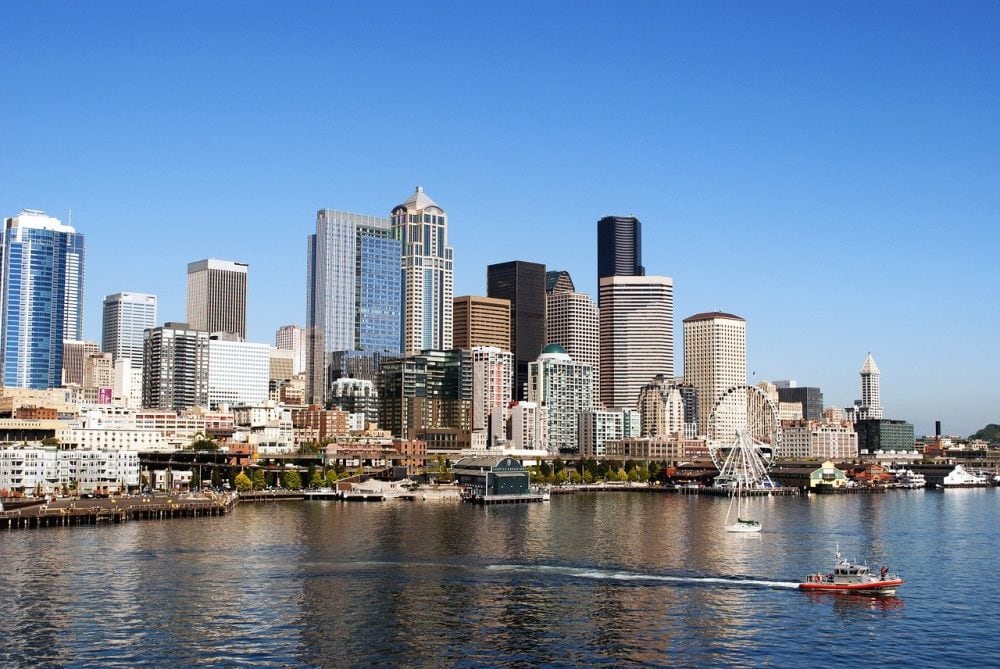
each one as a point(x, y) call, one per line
point(743, 434)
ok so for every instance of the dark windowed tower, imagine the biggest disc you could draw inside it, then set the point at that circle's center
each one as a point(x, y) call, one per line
point(619, 247)
point(523, 283)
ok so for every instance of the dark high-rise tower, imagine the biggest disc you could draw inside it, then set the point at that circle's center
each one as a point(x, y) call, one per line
point(619, 247)
point(523, 283)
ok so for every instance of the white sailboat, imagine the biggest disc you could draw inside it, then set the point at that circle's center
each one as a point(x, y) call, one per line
point(742, 521)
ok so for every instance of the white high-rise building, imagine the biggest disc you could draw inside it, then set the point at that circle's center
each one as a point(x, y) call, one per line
point(871, 404)
point(564, 388)
point(291, 338)
point(637, 335)
point(127, 386)
point(599, 426)
point(528, 426)
point(126, 318)
point(491, 375)
point(428, 274)
point(715, 360)
point(217, 296)
point(571, 320)
point(237, 372)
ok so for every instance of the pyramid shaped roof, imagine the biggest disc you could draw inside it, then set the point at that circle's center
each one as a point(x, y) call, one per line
point(869, 367)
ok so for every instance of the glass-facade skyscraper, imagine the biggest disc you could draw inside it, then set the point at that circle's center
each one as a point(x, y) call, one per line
point(353, 301)
point(42, 298)
point(523, 283)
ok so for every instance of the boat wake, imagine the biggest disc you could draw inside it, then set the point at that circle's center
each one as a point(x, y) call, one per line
point(603, 574)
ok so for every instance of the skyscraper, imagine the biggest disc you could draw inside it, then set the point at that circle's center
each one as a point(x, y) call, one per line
point(126, 317)
point(619, 247)
point(175, 367)
point(871, 404)
point(42, 292)
point(421, 226)
point(715, 360)
point(637, 335)
point(353, 300)
point(523, 283)
point(571, 321)
point(481, 321)
point(217, 296)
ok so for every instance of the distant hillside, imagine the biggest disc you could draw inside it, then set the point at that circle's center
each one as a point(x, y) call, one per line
point(990, 433)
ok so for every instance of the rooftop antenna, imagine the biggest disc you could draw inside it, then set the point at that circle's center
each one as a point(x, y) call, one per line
point(70, 217)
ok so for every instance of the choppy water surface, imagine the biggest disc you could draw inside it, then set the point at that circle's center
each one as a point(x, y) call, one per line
point(586, 580)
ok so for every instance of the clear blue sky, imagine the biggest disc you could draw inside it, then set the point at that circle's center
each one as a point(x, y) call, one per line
point(829, 171)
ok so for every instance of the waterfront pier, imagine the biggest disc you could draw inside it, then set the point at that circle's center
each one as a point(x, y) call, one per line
point(117, 510)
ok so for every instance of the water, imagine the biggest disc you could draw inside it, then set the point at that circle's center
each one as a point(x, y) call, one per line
point(586, 580)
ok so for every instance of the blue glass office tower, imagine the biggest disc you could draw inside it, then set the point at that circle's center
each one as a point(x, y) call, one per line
point(42, 298)
point(353, 298)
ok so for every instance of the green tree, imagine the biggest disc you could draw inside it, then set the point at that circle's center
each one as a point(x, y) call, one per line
point(216, 478)
point(331, 477)
point(989, 433)
point(557, 465)
point(622, 474)
point(259, 480)
point(201, 442)
point(360, 471)
point(317, 480)
point(545, 468)
point(575, 477)
point(563, 476)
point(291, 480)
point(243, 482)
point(195, 479)
point(50, 441)
point(633, 475)
point(587, 476)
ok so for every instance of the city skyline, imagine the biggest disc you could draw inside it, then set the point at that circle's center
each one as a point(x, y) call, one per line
point(847, 157)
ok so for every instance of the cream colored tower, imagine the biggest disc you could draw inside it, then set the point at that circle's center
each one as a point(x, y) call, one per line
point(715, 358)
point(421, 226)
point(571, 321)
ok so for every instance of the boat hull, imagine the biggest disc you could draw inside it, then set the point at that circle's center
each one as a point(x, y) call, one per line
point(744, 528)
point(886, 587)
